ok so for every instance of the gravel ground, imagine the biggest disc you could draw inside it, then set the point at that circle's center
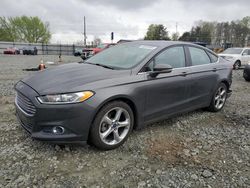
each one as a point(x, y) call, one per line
point(198, 149)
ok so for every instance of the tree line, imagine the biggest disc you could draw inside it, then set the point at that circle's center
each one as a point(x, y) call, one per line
point(34, 30)
point(236, 33)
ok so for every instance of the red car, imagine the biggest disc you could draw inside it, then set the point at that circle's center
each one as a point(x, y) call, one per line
point(12, 50)
point(102, 47)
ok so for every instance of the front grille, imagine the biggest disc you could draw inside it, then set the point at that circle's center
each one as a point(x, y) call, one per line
point(27, 123)
point(25, 104)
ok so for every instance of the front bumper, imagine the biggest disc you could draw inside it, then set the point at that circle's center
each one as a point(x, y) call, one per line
point(74, 118)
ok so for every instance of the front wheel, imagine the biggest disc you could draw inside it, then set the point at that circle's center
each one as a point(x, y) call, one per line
point(219, 98)
point(112, 125)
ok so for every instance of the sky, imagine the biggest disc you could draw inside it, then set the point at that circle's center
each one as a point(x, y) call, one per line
point(128, 19)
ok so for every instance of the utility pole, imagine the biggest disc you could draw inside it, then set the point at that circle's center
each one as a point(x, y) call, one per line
point(176, 27)
point(84, 31)
point(112, 37)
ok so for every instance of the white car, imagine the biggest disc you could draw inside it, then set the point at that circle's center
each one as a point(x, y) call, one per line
point(238, 56)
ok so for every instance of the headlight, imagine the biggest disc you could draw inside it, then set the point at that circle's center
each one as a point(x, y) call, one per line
point(65, 98)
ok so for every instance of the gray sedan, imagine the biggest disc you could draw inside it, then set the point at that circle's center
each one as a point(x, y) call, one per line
point(101, 100)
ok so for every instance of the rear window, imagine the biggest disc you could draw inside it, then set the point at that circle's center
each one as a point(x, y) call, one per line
point(199, 56)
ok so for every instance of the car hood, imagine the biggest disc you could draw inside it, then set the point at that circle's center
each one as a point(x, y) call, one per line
point(65, 78)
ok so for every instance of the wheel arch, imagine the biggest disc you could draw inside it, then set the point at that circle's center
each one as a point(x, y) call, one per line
point(125, 99)
point(238, 60)
point(226, 83)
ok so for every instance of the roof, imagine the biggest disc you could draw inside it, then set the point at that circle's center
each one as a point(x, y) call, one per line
point(164, 43)
point(161, 44)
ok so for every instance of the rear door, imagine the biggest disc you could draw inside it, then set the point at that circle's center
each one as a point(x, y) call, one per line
point(168, 93)
point(204, 75)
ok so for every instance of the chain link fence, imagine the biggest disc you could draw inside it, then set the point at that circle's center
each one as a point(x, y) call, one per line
point(43, 49)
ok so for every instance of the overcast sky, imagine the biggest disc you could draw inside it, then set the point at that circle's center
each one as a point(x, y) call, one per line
point(128, 19)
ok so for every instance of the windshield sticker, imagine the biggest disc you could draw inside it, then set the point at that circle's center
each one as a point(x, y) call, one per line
point(147, 47)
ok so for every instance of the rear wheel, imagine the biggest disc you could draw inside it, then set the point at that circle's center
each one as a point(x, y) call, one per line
point(219, 98)
point(237, 65)
point(112, 125)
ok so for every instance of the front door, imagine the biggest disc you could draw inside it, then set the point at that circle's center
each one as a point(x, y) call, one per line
point(167, 93)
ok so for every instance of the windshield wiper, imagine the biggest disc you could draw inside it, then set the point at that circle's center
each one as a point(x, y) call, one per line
point(105, 66)
point(101, 65)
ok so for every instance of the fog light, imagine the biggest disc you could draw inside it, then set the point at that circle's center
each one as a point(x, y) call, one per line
point(58, 130)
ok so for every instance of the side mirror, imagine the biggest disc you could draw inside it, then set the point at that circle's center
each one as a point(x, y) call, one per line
point(161, 68)
point(244, 54)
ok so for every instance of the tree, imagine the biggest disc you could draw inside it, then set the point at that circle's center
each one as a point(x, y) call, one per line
point(97, 41)
point(202, 32)
point(235, 33)
point(157, 32)
point(185, 37)
point(175, 36)
point(24, 29)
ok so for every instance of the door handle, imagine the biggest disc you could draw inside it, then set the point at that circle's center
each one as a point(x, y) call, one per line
point(184, 73)
point(214, 69)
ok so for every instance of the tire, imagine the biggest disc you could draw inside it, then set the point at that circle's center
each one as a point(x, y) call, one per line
point(237, 65)
point(112, 125)
point(219, 98)
point(246, 73)
point(246, 77)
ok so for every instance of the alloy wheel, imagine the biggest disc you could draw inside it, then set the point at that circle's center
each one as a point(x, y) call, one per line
point(114, 126)
point(220, 98)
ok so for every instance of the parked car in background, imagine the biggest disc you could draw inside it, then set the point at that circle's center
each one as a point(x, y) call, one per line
point(87, 53)
point(78, 52)
point(103, 99)
point(102, 47)
point(238, 56)
point(11, 50)
point(30, 50)
point(246, 72)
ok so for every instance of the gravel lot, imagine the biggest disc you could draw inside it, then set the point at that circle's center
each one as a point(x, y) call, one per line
point(198, 149)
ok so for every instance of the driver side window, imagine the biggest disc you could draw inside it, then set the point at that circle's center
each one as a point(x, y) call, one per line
point(174, 56)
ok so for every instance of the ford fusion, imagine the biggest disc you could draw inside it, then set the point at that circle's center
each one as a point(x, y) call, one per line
point(100, 101)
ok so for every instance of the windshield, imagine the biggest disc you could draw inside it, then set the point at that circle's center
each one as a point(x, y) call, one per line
point(122, 56)
point(233, 51)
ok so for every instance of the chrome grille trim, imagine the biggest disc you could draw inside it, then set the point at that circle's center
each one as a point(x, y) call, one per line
point(25, 105)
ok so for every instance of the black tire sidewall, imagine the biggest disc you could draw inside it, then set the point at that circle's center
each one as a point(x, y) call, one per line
point(237, 63)
point(94, 131)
